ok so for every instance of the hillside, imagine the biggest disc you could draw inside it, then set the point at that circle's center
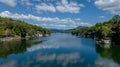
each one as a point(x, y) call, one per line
point(57, 30)
point(11, 28)
point(77, 28)
point(109, 29)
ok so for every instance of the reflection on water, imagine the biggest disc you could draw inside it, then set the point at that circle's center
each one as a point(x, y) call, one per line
point(111, 53)
point(15, 47)
point(58, 50)
point(63, 59)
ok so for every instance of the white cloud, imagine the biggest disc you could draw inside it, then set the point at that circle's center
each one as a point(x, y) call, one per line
point(11, 3)
point(26, 2)
point(47, 21)
point(71, 7)
point(101, 16)
point(45, 7)
point(62, 6)
point(112, 6)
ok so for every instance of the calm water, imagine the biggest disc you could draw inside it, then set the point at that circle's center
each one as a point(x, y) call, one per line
point(58, 50)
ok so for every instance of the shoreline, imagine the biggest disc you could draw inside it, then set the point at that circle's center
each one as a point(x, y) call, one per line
point(9, 39)
point(19, 38)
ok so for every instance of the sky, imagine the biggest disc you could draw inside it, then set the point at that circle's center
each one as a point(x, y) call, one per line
point(60, 14)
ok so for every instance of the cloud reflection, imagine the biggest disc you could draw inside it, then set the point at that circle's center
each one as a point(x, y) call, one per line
point(103, 62)
point(11, 63)
point(63, 59)
point(37, 47)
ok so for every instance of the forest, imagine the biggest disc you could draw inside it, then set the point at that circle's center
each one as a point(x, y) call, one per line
point(102, 30)
point(11, 28)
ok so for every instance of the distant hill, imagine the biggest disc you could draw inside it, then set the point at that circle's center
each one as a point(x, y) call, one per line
point(57, 30)
point(79, 27)
point(116, 18)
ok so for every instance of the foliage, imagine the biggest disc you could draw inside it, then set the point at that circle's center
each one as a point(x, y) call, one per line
point(110, 29)
point(12, 27)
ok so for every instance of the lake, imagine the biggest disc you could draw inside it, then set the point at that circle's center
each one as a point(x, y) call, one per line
point(58, 50)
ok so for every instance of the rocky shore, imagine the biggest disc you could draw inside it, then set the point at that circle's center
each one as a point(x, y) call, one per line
point(9, 38)
point(2, 39)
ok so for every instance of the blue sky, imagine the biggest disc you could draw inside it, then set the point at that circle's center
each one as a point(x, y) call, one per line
point(60, 14)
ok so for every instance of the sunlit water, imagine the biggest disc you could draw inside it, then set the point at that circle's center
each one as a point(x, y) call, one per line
point(58, 50)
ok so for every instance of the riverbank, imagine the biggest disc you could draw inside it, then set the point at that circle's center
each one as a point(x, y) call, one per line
point(10, 38)
point(2, 39)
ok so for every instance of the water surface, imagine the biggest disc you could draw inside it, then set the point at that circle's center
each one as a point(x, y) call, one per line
point(58, 50)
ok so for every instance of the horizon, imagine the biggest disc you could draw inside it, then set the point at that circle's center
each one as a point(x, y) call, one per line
point(62, 14)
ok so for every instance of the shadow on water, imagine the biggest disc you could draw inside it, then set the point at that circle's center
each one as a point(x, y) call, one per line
point(15, 47)
point(110, 53)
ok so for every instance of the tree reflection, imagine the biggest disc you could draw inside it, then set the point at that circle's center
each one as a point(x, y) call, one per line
point(111, 53)
point(15, 47)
